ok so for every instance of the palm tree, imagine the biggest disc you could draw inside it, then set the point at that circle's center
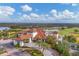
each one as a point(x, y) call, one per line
point(43, 45)
point(52, 41)
point(63, 48)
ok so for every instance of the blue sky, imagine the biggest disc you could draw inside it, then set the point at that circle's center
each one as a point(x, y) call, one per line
point(39, 13)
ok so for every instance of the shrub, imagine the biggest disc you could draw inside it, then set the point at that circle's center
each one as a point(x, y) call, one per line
point(61, 47)
point(17, 45)
point(32, 51)
point(70, 38)
point(76, 30)
point(2, 51)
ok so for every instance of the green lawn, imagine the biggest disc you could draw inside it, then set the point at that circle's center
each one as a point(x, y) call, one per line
point(5, 33)
point(67, 31)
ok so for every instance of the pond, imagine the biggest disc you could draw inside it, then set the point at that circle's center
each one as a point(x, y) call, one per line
point(5, 28)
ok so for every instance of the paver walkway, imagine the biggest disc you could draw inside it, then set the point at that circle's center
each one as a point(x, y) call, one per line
point(46, 52)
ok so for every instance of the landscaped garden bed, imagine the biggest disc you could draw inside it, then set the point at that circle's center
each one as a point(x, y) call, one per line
point(2, 51)
point(31, 51)
point(61, 47)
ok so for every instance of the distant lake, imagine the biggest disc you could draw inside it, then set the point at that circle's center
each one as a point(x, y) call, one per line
point(4, 28)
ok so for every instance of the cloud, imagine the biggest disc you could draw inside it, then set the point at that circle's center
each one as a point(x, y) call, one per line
point(25, 16)
point(34, 18)
point(74, 4)
point(30, 16)
point(26, 8)
point(34, 15)
point(53, 12)
point(53, 16)
point(6, 10)
point(66, 14)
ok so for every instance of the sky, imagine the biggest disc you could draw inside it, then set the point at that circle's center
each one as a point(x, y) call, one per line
point(39, 13)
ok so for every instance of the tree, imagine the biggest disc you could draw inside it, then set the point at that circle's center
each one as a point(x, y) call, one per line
point(76, 30)
point(70, 38)
point(51, 40)
point(63, 48)
point(3, 34)
point(43, 45)
point(62, 28)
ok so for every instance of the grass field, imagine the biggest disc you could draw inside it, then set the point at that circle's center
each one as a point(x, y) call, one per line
point(67, 31)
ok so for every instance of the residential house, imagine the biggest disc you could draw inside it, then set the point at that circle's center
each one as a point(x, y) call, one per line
point(29, 34)
point(34, 34)
point(20, 39)
point(54, 33)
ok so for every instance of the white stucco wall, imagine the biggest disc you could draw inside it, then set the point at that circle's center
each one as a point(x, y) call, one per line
point(34, 34)
point(14, 42)
point(30, 40)
point(21, 43)
point(57, 36)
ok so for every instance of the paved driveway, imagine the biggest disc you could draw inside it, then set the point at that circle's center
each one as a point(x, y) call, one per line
point(14, 52)
point(10, 49)
point(5, 41)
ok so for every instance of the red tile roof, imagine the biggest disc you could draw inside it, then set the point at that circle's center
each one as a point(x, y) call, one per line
point(23, 37)
point(40, 34)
